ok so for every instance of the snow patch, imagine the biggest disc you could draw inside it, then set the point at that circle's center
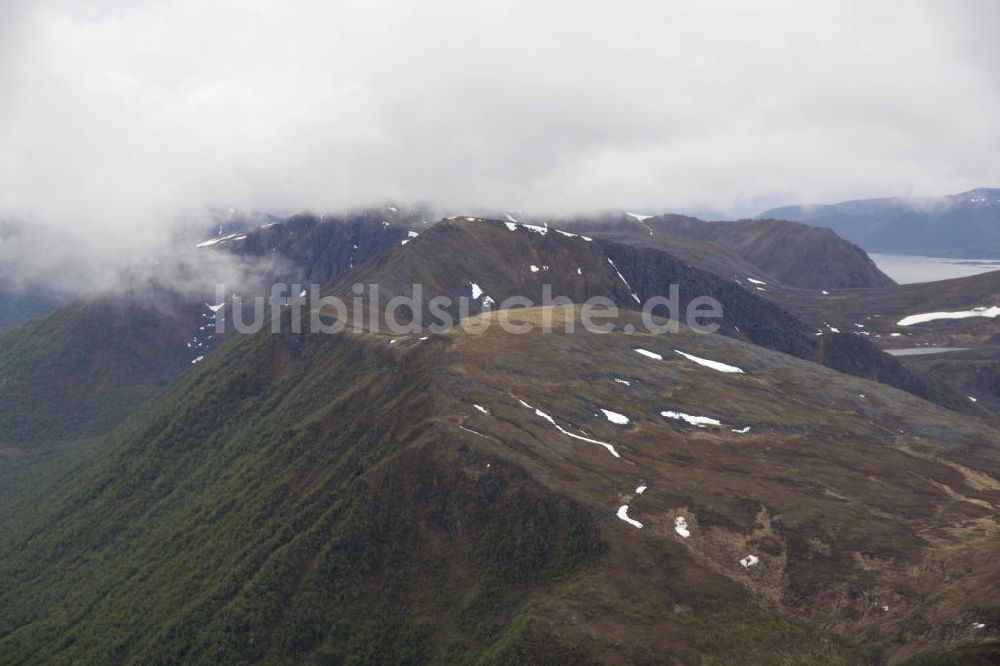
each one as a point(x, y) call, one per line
point(474, 432)
point(221, 239)
point(477, 293)
point(983, 311)
point(623, 514)
point(513, 225)
point(540, 413)
point(622, 278)
point(749, 561)
point(714, 365)
point(756, 281)
point(615, 417)
point(646, 352)
point(681, 527)
point(639, 218)
point(571, 235)
point(699, 421)
point(623, 381)
point(481, 408)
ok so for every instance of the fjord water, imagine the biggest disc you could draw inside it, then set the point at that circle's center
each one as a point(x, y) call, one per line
point(908, 269)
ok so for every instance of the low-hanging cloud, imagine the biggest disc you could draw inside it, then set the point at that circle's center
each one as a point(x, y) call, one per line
point(117, 117)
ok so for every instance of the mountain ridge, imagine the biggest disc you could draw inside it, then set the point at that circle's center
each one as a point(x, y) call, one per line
point(791, 253)
point(479, 251)
point(957, 225)
point(289, 495)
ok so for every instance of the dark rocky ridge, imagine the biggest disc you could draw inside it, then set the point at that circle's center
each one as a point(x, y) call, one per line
point(793, 254)
point(450, 256)
point(97, 330)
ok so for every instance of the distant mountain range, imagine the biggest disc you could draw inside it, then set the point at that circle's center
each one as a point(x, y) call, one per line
point(957, 225)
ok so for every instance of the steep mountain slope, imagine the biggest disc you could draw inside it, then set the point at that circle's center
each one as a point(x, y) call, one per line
point(880, 311)
point(18, 306)
point(957, 225)
point(369, 498)
point(801, 256)
point(973, 372)
point(48, 395)
point(315, 249)
point(793, 254)
point(918, 318)
point(505, 260)
point(78, 371)
point(698, 251)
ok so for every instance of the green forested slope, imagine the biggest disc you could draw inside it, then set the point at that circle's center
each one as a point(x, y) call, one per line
point(318, 499)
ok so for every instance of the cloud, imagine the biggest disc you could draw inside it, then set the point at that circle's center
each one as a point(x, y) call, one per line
point(117, 117)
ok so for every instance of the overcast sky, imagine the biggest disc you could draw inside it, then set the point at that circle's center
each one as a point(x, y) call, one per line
point(115, 116)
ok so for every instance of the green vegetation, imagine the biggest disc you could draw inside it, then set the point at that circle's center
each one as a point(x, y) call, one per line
point(310, 499)
point(79, 371)
point(970, 655)
point(285, 501)
point(755, 636)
